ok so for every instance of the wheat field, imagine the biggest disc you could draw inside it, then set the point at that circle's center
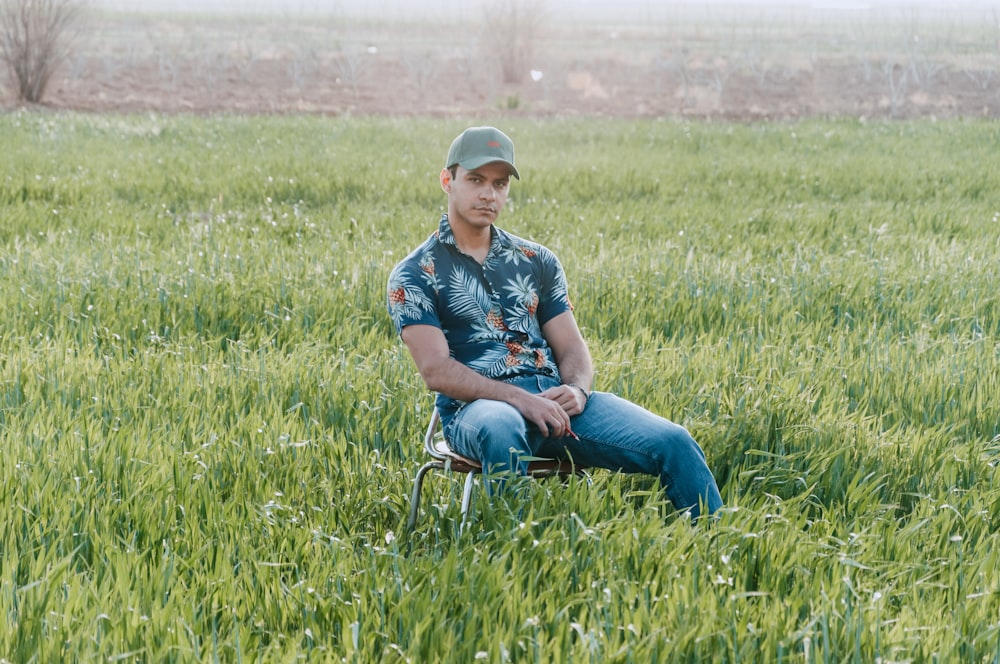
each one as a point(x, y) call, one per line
point(210, 432)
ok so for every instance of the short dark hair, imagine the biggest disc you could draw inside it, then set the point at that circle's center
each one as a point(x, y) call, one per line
point(454, 171)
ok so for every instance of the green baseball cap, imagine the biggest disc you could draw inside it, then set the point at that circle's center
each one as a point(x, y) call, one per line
point(477, 146)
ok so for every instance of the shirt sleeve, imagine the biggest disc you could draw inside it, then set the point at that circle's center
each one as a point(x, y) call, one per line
point(411, 297)
point(554, 297)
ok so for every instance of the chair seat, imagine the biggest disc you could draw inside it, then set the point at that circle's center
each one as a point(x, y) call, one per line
point(445, 450)
point(536, 468)
point(462, 464)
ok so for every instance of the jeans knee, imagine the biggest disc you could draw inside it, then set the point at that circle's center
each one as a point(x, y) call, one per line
point(682, 448)
point(500, 418)
point(495, 431)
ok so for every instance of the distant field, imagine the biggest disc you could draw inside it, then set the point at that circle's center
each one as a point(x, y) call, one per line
point(638, 59)
point(209, 431)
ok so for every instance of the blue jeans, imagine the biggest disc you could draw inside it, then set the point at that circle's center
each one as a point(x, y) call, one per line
point(614, 433)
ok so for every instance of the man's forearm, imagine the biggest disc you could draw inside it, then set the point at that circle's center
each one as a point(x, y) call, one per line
point(453, 379)
point(570, 351)
point(457, 381)
point(577, 369)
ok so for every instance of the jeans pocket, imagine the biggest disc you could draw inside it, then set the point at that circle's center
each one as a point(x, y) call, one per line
point(546, 382)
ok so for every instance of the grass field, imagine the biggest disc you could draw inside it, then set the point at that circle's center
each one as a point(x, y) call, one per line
point(209, 431)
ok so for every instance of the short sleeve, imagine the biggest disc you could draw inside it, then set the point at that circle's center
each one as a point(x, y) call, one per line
point(554, 296)
point(411, 296)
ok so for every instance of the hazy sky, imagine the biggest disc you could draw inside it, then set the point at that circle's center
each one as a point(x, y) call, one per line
point(462, 7)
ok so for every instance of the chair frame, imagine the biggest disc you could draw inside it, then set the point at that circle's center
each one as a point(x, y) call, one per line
point(446, 459)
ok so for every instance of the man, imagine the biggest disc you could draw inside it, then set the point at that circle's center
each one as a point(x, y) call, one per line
point(487, 319)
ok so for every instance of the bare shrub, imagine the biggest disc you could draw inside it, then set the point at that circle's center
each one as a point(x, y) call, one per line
point(896, 76)
point(351, 66)
point(511, 31)
point(35, 37)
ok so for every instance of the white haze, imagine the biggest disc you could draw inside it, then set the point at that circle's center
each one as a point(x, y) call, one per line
point(575, 9)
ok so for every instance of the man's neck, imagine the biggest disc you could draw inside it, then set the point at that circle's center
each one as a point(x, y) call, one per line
point(475, 242)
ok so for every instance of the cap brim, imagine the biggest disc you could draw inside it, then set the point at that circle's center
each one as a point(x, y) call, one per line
point(473, 164)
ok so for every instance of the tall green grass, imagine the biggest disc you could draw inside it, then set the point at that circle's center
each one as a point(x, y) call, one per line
point(209, 431)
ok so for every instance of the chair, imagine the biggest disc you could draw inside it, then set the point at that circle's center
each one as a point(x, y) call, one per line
point(444, 458)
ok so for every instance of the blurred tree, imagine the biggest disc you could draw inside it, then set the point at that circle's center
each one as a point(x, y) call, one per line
point(35, 37)
point(511, 30)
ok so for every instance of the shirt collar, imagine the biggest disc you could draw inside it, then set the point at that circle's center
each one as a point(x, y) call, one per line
point(445, 236)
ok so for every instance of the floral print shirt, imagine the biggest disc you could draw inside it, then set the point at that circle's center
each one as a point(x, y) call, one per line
point(491, 314)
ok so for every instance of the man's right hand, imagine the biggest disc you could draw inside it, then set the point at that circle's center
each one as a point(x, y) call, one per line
point(547, 415)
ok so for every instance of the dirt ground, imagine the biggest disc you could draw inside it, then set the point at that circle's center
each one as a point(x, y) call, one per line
point(699, 67)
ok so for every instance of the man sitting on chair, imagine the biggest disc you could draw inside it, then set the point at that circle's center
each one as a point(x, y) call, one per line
point(487, 319)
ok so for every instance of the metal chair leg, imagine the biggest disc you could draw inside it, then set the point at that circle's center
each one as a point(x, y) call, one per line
point(418, 483)
point(467, 496)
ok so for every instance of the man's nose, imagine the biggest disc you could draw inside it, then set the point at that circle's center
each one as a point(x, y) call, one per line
point(487, 193)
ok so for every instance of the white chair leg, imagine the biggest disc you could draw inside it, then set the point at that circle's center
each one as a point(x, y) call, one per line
point(467, 496)
point(418, 483)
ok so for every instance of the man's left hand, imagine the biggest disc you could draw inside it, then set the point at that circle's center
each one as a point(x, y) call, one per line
point(570, 398)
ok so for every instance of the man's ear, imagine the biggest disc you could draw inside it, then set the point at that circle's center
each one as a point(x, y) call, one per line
point(446, 180)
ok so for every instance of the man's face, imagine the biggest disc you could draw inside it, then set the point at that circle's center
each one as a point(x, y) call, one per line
point(476, 197)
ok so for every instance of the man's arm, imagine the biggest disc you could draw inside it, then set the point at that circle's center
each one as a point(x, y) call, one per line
point(573, 359)
point(444, 374)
